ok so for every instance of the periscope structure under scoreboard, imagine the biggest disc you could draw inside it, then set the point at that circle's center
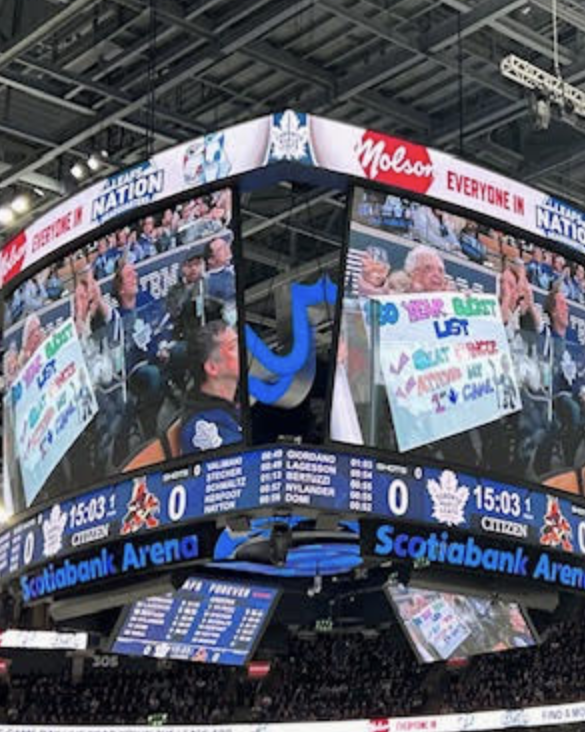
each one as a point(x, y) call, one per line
point(120, 525)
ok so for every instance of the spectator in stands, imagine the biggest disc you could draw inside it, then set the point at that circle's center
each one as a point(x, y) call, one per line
point(221, 278)
point(538, 271)
point(134, 251)
point(211, 416)
point(147, 240)
point(166, 237)
point(429, 227)
point(579, 279)
point(34, 295)
point(147, 333)
point(375, 270)
point(566, 357)
point(54, 285)
point(90, 310)
point(186, 299)
point(11, 364)
point(426, 270)
point(33, 335)
point(105, 262)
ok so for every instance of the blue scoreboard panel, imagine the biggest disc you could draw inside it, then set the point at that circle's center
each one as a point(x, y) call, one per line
point(208, 621)
point(296, 479)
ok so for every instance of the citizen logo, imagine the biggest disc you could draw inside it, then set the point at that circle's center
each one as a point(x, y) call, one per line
point(503, 526)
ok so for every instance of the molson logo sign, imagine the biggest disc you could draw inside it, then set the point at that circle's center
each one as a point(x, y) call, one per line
point(13, 256)
point(395, 162)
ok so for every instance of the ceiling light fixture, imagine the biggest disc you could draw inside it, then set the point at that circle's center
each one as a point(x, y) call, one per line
point(6, 216)
point(94, 163)
point(21, 204)
point(78, 171)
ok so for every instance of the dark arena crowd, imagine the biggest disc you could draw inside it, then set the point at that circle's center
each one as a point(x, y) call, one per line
point(323, 676)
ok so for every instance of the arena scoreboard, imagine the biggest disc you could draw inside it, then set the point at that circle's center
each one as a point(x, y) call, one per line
point(204, 620)
point(423, 372)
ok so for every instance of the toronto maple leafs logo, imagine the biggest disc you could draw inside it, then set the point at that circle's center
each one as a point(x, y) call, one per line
point(142, 334)
point(289, 137)
point(568, 367)
point(206, 435)
point(514, 718)
point(449, 498)
point(53, 528)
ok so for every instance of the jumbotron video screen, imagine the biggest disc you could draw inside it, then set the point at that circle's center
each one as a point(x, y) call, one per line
point(284, 353)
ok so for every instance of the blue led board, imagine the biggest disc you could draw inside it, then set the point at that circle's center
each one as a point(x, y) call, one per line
point(206, 620)
point(300, 478)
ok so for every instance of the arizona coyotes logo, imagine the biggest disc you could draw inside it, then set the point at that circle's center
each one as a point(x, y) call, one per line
point(142, 508)
point(395, 162)
point(13, 256)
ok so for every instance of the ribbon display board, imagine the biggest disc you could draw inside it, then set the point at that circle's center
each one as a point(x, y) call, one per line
point(308, 140)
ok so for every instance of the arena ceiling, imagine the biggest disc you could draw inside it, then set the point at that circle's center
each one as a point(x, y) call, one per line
point(77, 76)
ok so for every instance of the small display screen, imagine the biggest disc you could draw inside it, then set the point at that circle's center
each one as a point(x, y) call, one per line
point(443, 625)
point(207, 621)
point(45, 640)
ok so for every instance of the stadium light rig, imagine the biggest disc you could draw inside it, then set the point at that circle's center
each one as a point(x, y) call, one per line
point(553, 89)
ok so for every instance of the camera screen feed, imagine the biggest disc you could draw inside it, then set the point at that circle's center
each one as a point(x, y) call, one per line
point(123, 354)
point(442, 625)
point(460, 343)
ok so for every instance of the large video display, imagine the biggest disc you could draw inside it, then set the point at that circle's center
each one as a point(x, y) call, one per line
point(444, 625)
point(123, 354)
point(460, 343)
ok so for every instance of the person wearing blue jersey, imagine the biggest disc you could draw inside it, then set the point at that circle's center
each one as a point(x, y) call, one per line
point(147, 238)
point(211, 417)
point(147, 330)
point(221, 278)
point(539, 272)
point(564, 353)
point(105, 261)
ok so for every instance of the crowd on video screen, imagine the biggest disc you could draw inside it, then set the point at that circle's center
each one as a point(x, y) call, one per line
point(123, 353)
point(489, 328)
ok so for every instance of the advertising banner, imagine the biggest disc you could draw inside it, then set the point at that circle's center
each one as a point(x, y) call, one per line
point(416, 168)
point(446, 364)
point(308, 140)
point(204, 160)
point(53, 402)
point(553, 715)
